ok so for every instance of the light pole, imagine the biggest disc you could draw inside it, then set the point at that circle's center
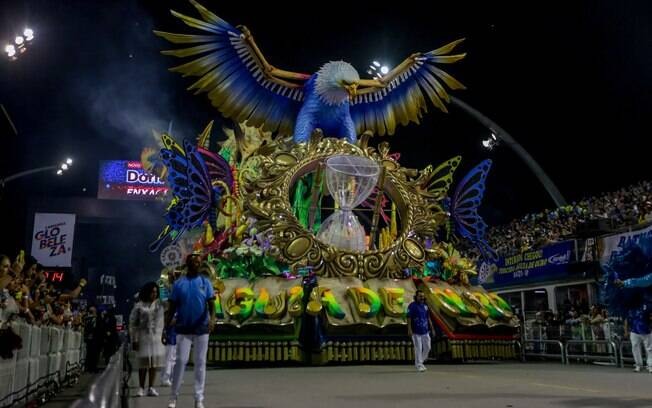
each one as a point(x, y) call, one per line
point(61, 168)
point(19, 45)
point(505, 137)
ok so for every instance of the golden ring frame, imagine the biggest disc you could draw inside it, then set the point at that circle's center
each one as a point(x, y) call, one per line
point(268, 200)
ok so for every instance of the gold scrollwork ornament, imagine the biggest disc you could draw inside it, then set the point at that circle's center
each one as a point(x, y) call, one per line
point(268, 200)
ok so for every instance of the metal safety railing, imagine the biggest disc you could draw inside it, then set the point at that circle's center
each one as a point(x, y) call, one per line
point(625, 358)
point(616, 352)
point(592, 350)
point(50, 358)
point(541, 349)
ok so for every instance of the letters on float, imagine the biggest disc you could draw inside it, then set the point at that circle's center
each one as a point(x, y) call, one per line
point(244, 302)
point(471, 303)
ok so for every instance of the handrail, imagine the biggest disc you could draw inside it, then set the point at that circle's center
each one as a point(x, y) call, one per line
point(622, 356)
point(105, 390)
point(612, 350)
point(561, 354)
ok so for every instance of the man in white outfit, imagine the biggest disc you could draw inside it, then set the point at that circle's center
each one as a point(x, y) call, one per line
point(170, 356)
point(637, 326)
point(193, 301)
point(419, 327)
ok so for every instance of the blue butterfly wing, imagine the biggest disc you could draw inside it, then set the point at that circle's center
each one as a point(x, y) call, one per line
point(464, 208)
point(189, 175)
point(486, 251)
point(175, 222)
point(177, 179)
point(197, 208)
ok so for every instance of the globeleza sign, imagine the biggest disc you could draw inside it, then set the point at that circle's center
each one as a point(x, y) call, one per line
point(52, 239)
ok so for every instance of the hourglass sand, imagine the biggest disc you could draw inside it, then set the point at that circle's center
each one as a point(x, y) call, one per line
point(350, 180)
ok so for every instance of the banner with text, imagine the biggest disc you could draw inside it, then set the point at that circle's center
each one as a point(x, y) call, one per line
point(612, 247)
point(53, 238)
point(127, 180)
point(546, 263)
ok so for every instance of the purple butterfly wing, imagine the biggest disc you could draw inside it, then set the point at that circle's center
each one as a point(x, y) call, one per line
point(464, 208)
point(218, 167)
point(197, 208)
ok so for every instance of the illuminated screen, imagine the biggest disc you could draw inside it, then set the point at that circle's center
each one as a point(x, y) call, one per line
point(126, 180)
point(54, 276)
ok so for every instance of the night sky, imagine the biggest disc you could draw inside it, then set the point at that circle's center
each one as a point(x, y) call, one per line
point(571, 81)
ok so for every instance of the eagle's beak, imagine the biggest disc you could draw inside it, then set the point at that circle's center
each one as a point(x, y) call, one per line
point(352, 90)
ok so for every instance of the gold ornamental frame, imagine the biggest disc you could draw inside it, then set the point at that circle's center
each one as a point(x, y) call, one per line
point(268, 200)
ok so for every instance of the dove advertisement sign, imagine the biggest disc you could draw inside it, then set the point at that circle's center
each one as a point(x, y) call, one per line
point(127, 180)
point(52, 239)
point(549, 262)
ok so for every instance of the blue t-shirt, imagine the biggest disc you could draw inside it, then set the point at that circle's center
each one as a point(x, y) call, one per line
point(190, 296)
point(639, 320)
point(418, 314)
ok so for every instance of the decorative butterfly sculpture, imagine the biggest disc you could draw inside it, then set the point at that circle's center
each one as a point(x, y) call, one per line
point(150, 158)
point(198, 179)
point(463, 209)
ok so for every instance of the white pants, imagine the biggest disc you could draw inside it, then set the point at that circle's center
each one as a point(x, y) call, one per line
point(646, 340)
point(421, 348)
point(170, 358)
point(184, 342)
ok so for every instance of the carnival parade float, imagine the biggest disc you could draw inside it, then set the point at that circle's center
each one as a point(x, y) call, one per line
point(316, 240)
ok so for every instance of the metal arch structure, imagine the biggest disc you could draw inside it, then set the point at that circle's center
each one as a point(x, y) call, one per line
point(501, 134)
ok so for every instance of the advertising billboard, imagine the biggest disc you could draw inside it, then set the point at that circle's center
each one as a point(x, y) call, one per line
point(127, 180)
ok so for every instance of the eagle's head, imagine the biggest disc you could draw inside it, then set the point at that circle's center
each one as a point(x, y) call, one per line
point(336, 82)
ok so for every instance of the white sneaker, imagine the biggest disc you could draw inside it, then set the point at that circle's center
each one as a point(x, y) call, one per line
point(421, 368)
point(637, 369)
point(151, 392)
point(141, 392)
point(166, 383)
point(172, 403)
point(424, 368)
point(199, 404)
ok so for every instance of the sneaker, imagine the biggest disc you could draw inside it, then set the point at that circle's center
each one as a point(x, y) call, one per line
point(166, 383)
point(151, 392)
point(199, 404)
point(172, 403)
point(637, 369)
point(421, 368)
point(424, 368)
point(141, 392)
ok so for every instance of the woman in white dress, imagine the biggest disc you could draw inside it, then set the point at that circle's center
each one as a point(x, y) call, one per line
point(145, 329)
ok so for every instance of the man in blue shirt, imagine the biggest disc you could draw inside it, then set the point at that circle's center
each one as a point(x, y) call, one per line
point(419, 325)
point(638, 323)
point(193, 301)
point(637, 326)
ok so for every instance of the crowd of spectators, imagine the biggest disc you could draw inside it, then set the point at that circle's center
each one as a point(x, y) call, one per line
point(574, 321)
point(26, 295)
point(627, 206)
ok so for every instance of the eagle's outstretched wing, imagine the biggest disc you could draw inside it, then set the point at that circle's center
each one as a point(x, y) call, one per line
point(240, 83)
point(399, 97)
